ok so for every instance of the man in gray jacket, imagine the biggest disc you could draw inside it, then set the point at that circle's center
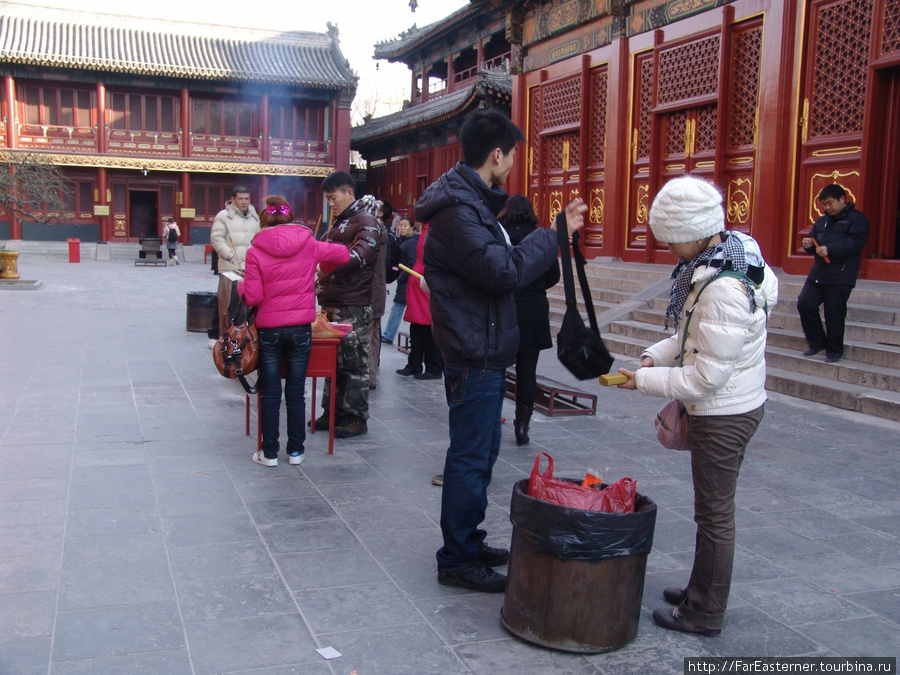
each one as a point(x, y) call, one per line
point(230, 236)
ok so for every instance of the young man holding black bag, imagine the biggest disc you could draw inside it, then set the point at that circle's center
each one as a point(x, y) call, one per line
point(473, 271)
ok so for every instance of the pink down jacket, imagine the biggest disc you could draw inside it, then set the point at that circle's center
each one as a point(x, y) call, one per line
point(281, 274)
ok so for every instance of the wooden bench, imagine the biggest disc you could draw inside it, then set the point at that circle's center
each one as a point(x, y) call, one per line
point(403, 342)
point(555, 398)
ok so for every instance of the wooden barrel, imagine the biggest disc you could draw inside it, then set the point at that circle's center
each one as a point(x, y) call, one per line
point(567, 592)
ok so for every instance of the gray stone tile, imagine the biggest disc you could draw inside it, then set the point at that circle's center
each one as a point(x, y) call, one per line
point(111, 475)
point(204, 561)
point(218, 598)
point(175, 504)
point(325, 569)
point(32, 513)
point(356, 607)
point(839, 572)
point(89, 587)
point(302, 509)
point(748, 630)
point(39, 489)
point(256, 486)
point(795, 602)
point(117, 549)
point(384, 517)
point(172, 448)
point(871, 547)
point(185, 464)
point(209, 528)
point(364, 494)
point(762, 500)
point(90, 522)
point(27, 615)
point(654, 650)
point(120, 630)
point(886, 524)
point(844, 504)
point(120, 457)
point(512, 655)
point(465, 617)
point(26, 656)
point(394, 546)
point(29, 573)
point(32, 540)
point(866, 636)
point(110, 496)
point(778, 543)
point(303, 535)
point(401, 649)
point(174, 662)
point(205, 480)
point(251, 644)
point(885, 603)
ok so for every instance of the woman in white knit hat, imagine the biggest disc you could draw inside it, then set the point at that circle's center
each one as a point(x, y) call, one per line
point(720, 378)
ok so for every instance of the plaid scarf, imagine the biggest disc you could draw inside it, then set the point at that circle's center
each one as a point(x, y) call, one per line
point(726, 255)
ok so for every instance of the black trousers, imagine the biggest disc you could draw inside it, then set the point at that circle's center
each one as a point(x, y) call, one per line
point(834, 298)
point(526, 375)
point(422, 348)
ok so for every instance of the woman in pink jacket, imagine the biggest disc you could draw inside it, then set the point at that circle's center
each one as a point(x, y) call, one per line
point(280, 282)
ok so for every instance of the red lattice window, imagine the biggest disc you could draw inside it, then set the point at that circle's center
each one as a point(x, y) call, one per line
point(223, 117)
point(536, 114)
point(53, 107)
point(562, 103)
point(167, 200)
point(689, 71)
point(78, 198)
point(675, 130)
point(120, 199)
point(297, 121)
point(555, 152)
point(599, 79)
point(890, 39)
point(137, 112)
point(707, 118)
point(646, 102)
point(842, 61)
point(745, 88)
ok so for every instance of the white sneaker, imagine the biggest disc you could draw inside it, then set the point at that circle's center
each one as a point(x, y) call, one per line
point(297, 457)
point(211, 343)
point(260, 458)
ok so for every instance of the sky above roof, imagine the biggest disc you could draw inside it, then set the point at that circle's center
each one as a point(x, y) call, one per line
point(361, 23)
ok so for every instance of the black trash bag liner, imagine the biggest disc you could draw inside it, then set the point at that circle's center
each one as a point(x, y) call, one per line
point(576, 534)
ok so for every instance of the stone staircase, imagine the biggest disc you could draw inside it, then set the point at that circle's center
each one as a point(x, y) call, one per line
point(59, 250)
point(630, 301)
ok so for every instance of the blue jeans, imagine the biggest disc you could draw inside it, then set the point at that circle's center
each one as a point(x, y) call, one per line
point(394, 320)
point(292, 344)
point(475, 398)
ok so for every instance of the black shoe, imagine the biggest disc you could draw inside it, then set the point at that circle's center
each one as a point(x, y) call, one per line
point(493, 557)
point(385, 341)
point(833, 358)
point(427, 376)
point(476, 577)
point(405, 372)
point(672, 619)
point(675, 595)
point(354, 426)
point(812, 351)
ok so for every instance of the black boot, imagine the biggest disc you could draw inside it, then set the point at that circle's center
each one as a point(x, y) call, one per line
point(520, 424)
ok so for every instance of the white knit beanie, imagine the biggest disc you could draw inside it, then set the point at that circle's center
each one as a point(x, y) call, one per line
point(686, 209)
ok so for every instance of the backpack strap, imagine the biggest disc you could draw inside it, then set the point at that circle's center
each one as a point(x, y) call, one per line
point(724, 273)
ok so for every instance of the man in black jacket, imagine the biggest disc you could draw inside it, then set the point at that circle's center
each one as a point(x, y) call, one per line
point(837, 239)
point(473, 271)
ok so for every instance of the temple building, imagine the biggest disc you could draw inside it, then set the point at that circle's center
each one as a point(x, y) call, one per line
point(769, 99)
point(152, 118)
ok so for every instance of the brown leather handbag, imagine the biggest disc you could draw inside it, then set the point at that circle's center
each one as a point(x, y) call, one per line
point(237, 351)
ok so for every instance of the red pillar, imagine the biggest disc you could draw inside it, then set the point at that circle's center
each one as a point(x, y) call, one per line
point(185, 123)
point(265, 140)
point(186, 203)
point(12, 122)
point(102, 186)
point(102, 126)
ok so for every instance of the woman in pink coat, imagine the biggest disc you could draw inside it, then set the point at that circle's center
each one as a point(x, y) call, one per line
point(422, 347)
point(280, 282)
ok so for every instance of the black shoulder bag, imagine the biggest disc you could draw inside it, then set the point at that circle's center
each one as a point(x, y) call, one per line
point(579, 348)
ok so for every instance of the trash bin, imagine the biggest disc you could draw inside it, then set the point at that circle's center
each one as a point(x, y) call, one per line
point(74, 250)
point(576, 578)
point(201, 309)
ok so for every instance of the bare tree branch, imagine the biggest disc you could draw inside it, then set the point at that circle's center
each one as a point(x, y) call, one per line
point(31, 188)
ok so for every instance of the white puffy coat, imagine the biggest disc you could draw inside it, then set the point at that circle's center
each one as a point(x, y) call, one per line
point(232, 225)
point(724, 370)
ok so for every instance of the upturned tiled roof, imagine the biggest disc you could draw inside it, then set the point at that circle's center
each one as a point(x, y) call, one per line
point(73, 39)
point(413, 38)
point(491, 85)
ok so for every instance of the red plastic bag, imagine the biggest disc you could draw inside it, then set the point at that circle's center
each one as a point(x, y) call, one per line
point(615, 498)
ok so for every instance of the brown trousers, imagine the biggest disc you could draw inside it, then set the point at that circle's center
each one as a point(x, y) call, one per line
point(717, 451)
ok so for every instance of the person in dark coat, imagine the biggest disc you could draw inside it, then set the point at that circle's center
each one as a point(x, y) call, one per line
point(473, 270)
point(409, 238)
point(519, 220)
point(837, 239)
